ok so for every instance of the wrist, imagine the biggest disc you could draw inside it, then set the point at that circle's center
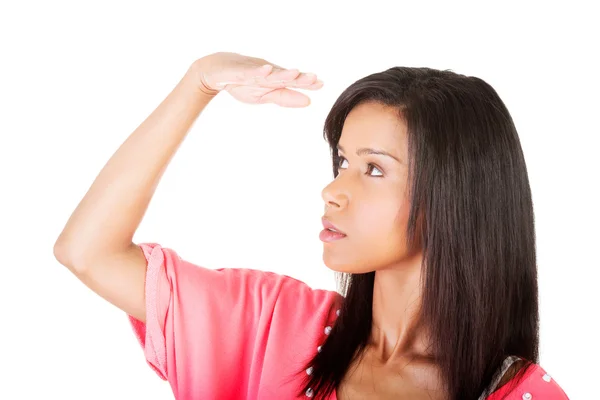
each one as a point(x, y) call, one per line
point(198, 73)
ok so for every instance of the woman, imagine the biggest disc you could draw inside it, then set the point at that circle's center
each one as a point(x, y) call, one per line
point(429, 222)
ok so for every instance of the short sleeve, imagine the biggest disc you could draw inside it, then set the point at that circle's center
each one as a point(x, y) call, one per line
point(151, 334)
point(207, 331)
point(536, 384)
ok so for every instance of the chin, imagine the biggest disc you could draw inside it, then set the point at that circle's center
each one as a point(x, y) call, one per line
point(345, 267)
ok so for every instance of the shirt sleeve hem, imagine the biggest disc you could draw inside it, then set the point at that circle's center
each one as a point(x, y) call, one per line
point(150, 334)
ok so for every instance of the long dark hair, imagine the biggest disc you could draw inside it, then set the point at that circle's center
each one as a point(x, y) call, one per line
point(472, 213)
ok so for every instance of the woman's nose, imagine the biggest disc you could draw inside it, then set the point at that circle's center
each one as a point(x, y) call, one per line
point(334, 197)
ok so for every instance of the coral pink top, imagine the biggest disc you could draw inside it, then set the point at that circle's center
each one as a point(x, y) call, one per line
point(242, 334)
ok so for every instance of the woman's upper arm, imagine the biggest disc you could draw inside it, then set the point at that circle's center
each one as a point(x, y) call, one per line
point(118, 277)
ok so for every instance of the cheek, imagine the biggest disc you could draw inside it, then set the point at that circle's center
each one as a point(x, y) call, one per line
point(384, 222)
point(378, 238)
point(383, 218)
point(386, 230)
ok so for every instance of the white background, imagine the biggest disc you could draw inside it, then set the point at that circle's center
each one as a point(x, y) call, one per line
point(77, 78)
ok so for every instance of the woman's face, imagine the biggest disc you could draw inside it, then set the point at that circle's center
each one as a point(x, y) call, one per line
point(368, 199)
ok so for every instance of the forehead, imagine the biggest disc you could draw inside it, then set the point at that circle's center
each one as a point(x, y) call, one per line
point(374, 125)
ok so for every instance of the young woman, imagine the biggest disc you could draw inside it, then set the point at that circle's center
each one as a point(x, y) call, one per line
point(429, 222)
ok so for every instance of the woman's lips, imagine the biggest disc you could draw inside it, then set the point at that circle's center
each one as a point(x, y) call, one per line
point(330, 236)
point(331, 232)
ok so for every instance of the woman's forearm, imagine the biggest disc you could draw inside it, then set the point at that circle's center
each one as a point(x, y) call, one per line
point(112, 209)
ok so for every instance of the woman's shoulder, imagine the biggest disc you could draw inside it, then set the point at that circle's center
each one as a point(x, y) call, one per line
point(535, 383)
point(300, 300)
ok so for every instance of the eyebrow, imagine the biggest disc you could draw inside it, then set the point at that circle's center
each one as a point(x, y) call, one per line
point(366, 150)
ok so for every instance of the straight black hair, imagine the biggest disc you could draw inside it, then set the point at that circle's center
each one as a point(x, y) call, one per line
point(471, 213)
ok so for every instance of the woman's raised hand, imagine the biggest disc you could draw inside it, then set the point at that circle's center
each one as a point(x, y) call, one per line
point(253, 80)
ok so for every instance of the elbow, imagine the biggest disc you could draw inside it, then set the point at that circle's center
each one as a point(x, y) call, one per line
point(61, 253)
point(64, 254)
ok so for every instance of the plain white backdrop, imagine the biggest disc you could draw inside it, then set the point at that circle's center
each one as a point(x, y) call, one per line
point(76, 78)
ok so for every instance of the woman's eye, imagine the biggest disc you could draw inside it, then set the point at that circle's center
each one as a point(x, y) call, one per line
point(370, 168)
point(373, 167)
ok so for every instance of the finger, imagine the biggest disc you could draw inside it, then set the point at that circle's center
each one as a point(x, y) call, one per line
point(258, 72)
point(308, 84)
point(287, 78)
point(277, 67)
point(286, 98)
point(269, 76)
point(305, 78)
point(280, 76)
point(247, 76)
point(315, 86)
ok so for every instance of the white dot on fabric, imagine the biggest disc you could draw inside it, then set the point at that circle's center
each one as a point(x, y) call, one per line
point(309, 392)
point(547, 378)
point(338, 313)
point(327, 330)
point(527, 396)
point(309, 370)
point(319, 349)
